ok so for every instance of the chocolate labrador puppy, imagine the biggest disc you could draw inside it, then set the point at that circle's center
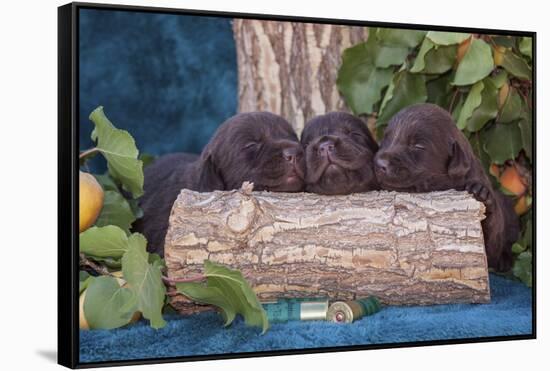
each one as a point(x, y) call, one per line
point(258, 147)
point(339, 155)
point(423, 150)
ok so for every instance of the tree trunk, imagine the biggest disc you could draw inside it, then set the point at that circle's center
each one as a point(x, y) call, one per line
point(404, 248)
point(290, 68)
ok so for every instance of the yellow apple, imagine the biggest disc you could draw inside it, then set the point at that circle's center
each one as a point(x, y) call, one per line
point(512, 181)
point(91, 200)
point(83, 322)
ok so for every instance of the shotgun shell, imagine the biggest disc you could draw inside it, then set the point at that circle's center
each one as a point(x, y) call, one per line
point(298, 309)
point(345, 312)
point(370, 305)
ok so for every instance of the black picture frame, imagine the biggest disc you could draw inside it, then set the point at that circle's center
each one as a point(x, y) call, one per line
point(68, 168)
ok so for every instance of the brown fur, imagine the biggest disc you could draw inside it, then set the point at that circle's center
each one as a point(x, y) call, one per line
point(423, 150)
point(339, 155)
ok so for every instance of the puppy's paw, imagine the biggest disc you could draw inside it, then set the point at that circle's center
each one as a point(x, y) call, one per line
point(480, 192)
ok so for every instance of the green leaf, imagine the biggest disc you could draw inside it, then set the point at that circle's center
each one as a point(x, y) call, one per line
point(209, 295)
point(385, 56)
point(106, 182)
point(134, 205)
point(107, 305)
point(387, 96)
point(147, 159)
point(517, 248)
point(487, 110)
point(116, 211)
point(119, 149)
point(505, 41)
point(145, 280)
point(440, 91)
point(362, 84)
point(229, 290)
point(503, 142)
point(83, 276)
point(499, 78)
point(440, 59)
point(156, 259)
point(447, 38)
point(457, 107)
point(525, 127)
point(511, 110)
point(516, 65)
point(419, 62)
point(109, 241)
point(473, 100)
point(477, 141)
point(476, 64)
point(374, 54)
point(407, 89)
point(400, 37)
point(434, 59)
point(523, 268)
point(527, 238)
point(526, 46)
point(109, 262)
point(84, 280)
point(365, 72)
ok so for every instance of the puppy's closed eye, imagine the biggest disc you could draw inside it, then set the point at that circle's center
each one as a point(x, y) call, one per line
point(252, 147)
point(418, 146)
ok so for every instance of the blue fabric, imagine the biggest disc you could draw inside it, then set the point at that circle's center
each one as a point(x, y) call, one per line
point(170, 80)
point(509, 313)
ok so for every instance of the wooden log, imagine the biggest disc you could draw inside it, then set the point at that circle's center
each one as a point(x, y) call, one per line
point(290, 68)
point(404, 248)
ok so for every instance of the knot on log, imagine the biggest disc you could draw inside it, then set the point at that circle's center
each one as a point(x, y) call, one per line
point(240, 220)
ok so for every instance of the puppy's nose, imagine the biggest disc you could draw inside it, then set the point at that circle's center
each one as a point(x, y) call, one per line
point(382, 164)
point(291, 154)
point(326, 147)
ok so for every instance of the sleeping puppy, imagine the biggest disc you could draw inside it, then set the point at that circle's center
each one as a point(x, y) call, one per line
point(423, 150)
point(258, 147)
point(339, 155)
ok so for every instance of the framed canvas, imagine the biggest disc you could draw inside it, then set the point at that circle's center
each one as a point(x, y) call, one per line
point(254, 185)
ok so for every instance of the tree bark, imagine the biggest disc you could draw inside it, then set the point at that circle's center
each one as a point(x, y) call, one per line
point(404, 248)
point(290, 68)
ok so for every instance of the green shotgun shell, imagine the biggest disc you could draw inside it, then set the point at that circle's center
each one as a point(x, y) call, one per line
point(370, 305)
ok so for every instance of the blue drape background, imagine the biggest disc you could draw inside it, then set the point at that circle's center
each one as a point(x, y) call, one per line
point(170, 80)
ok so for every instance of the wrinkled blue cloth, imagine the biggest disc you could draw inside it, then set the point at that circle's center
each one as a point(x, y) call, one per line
point(509, 313)
point(169, 80)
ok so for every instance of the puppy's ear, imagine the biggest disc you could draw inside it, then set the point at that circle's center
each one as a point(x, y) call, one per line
point(210, 178)
point(458, 165)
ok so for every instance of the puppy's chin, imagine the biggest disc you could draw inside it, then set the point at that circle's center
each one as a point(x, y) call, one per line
point(292, 183)
point(407, 181)
point(394, 182)
point(335, 180)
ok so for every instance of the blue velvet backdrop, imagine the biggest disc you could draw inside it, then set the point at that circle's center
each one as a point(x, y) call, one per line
point(170, 80)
